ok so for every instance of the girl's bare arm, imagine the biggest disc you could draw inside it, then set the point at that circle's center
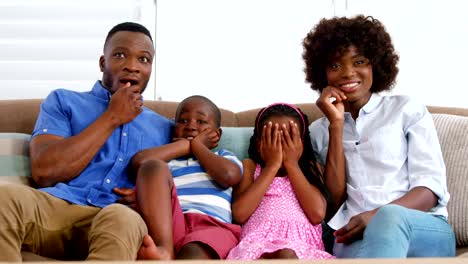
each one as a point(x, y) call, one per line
point(248, 193)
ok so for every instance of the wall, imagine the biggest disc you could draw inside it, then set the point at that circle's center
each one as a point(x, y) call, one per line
point(247, 53)
point(240, 53)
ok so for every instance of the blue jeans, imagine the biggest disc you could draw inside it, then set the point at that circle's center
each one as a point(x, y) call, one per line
point(398, 232)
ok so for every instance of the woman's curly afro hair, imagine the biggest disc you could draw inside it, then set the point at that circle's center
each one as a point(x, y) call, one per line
point(332, 37)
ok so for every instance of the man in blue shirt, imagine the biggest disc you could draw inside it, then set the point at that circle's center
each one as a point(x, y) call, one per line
point(80, 148)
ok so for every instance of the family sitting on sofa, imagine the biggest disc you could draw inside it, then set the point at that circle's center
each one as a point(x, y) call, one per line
point(121, 182)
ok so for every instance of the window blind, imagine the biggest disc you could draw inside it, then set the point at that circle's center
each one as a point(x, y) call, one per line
point(50, 44)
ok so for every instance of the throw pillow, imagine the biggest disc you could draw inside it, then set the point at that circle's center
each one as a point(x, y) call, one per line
point(14, 157)
point(236, 140)
point(451, 130)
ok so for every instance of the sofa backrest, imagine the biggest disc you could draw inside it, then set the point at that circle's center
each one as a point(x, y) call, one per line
point(18, 116)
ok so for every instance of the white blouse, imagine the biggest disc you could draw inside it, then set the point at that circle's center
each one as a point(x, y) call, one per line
point(390, 149)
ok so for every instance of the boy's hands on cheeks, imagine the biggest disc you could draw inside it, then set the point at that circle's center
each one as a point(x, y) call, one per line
point(354, 229)
point(208, 137)
point(270, 146)
point(291, 144)
point(331, 104)
point(125, 104)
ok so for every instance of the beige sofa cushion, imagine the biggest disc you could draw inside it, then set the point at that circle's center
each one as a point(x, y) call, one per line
point(452, 131)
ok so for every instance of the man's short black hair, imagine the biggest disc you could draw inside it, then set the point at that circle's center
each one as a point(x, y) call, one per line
point(128, 26)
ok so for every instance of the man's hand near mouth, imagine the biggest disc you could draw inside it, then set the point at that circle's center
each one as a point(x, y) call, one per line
point(125, 104)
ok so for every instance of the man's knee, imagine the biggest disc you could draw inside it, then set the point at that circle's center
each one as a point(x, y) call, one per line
point(116, 233)
point(119, 218)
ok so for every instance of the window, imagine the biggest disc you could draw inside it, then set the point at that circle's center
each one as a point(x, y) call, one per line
point(51, 44)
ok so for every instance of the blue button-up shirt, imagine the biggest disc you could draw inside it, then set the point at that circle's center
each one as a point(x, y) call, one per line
point(66, 113)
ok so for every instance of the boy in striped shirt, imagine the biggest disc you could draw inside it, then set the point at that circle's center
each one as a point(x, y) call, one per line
point(184, 188)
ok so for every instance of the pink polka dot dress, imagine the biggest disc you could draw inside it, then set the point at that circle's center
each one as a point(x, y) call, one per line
point(278, 223)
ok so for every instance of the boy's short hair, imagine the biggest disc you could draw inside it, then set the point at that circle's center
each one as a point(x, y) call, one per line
point(213, 106)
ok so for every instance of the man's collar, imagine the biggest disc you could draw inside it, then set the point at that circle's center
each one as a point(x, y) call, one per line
point(372, 104)
point(101, 92)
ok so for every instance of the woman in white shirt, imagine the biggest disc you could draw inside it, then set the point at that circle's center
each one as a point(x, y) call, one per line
point(389, 184)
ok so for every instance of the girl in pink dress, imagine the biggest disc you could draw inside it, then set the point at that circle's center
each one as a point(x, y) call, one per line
point(281, 200)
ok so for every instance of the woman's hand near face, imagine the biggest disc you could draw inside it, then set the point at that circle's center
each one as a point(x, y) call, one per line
point(291, 144)
point(331, 104)
point(270, 146)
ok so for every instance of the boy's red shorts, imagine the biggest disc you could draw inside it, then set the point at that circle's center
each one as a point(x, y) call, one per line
point(195, 227)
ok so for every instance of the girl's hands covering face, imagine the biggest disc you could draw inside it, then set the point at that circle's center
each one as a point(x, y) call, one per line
point(270, 145)
point(291, 143)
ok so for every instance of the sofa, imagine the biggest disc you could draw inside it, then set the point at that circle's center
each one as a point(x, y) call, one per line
point(17, 119)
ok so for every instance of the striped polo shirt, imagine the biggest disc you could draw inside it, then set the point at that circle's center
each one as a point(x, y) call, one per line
point(198, 192)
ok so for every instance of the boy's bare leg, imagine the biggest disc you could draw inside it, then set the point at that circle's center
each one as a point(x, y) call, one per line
point(154, 185)
point(196, 250)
